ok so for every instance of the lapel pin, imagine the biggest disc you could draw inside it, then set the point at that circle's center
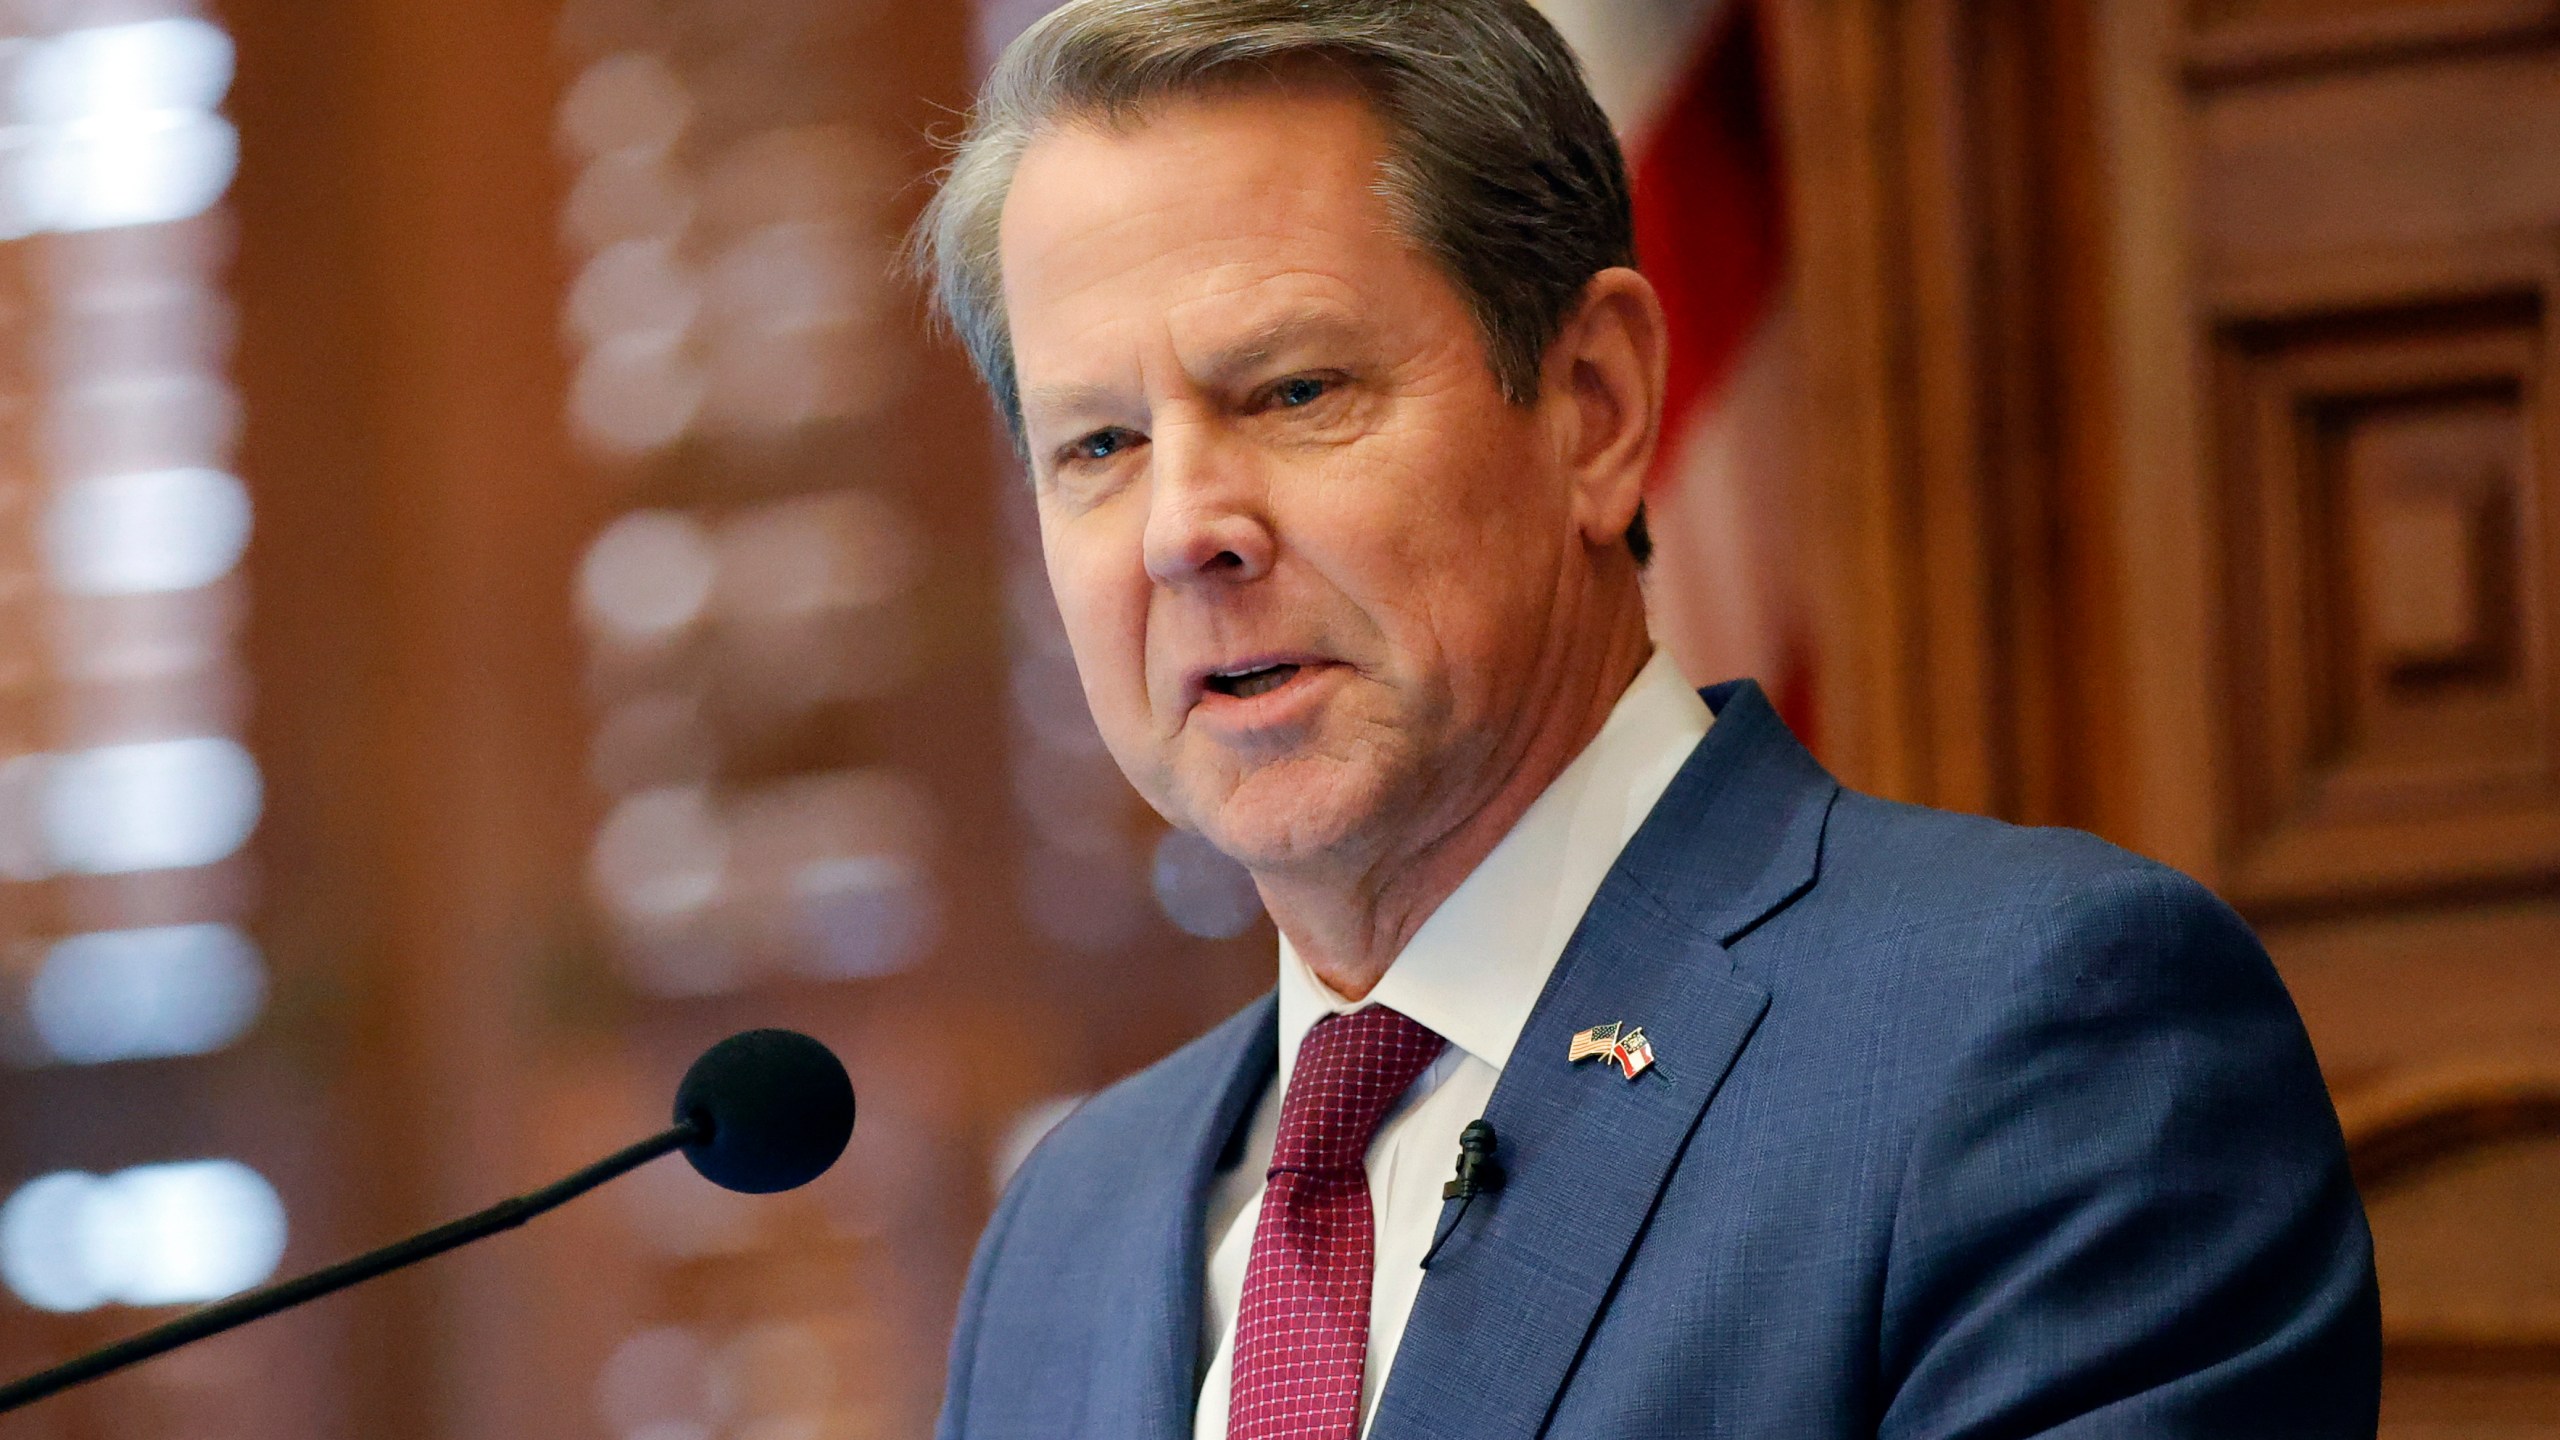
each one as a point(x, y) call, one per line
point(1634, 1053)
point(1616, 1043)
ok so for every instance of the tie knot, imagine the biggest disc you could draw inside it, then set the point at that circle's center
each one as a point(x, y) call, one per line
point(1350, 1070)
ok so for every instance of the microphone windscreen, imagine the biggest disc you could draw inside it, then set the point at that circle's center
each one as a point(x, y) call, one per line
point(778, 1107)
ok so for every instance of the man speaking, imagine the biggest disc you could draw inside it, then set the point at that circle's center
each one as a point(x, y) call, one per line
point(1803, 1114)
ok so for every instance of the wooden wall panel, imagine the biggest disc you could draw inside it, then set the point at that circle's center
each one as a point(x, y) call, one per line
point(2393, 998)
point(2268, 364)
point(2388, 543)
point(2442, 150)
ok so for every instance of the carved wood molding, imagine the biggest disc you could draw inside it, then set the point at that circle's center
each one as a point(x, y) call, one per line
point(1934, 148)
point(2401, 1132)
point(2389, 434)
point(2237, 41)
point(2457, 1353)
point(2398, 1131)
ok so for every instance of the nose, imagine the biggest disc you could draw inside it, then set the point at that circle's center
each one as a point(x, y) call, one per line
point(1208, 514)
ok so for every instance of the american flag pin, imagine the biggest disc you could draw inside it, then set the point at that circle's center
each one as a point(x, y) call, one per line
point(1594, 1043)
point(1616, 1043)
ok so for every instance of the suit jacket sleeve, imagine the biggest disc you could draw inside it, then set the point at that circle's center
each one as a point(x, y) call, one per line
point(2126, 1211)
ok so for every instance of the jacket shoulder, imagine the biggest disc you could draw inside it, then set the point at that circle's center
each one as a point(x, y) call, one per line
point(1927, 925)
point(1089, 1151)
point(1937, 868)
point(1874, 840)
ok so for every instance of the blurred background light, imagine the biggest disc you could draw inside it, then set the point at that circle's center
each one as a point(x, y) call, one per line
point(149, 993)
point(632, 101)
point(114, 323)
point(181, 637)
point(777, 1377)
point(155, 531)
point(171, 1234)
point(647, 575)
point(671, 1430)
point(792, 275)
point(146, 421)
point(115, 125)
point(656, 1384)
point(152, 805)
point(1023, 1134)
point(634, 288)
point(112, 74)
point(1048, 698)
point(770, 381)
point(863, 916)
point(42, 1258)
point(635, 393)
point(1201, 891)
point(629, 195)
point(660, 854)
point(815, 553)
point(822, 172)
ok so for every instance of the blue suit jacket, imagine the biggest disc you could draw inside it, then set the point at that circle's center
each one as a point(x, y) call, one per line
point(1957, 1129)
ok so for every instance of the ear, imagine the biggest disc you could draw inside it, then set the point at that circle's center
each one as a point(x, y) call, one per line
point(1603, 384)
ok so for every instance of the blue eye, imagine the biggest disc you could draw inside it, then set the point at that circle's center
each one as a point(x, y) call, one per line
point(1297, 391)
point(1100, 445)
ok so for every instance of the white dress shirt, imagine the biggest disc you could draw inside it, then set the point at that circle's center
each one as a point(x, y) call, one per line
point(1473, 972)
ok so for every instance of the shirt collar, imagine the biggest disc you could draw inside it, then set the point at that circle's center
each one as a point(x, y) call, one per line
point(1475, 969)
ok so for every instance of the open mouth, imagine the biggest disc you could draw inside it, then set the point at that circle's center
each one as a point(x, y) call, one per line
point(1245, 684)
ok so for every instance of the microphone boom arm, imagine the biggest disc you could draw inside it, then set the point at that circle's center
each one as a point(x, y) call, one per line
point(284, 1294)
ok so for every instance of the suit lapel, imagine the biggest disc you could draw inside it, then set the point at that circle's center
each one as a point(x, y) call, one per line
point(1511, 1297)
point(1161, 1305)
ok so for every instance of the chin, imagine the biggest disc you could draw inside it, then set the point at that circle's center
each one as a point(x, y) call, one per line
point(1295, 814)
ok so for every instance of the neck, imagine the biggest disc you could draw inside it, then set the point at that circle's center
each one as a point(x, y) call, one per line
point(1349, 926)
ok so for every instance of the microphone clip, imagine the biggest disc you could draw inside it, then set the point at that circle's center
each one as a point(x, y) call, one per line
point(1479, 1173)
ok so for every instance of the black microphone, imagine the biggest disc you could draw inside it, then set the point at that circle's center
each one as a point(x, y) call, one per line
point(760, 1112)
point(1478, 1174)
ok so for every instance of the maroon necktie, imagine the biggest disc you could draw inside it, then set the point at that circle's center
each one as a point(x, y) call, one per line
point(1302, 1331)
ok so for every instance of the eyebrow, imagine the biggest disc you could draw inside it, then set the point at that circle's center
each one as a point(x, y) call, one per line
point(1256, 349)
point(1246, 354)
point(1068, 397)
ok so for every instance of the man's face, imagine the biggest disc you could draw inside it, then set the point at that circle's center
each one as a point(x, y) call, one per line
point(1314, 566)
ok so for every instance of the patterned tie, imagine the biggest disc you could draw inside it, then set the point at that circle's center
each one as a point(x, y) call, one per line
point(1302, 1331)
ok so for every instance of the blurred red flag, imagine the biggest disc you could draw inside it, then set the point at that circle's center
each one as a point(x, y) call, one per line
point(1686, 81)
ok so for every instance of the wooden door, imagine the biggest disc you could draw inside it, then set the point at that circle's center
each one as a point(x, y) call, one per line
point(2207, 348)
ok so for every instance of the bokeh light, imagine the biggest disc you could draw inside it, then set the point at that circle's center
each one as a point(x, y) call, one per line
point(660, 854)
point(149, 993)
point(116, 126)
point(141, 533)
point(647, 576)
point(656, 1379)
point(150, 805)
point(170, 1234)
point(1023, 1134)
point(1201, 891)
point(631, 101)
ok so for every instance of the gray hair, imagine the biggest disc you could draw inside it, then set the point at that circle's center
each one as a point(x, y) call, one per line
point(1500, 165)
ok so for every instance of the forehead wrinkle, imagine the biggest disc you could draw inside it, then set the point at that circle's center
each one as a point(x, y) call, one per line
point(1257, 347)
point(1242, 324)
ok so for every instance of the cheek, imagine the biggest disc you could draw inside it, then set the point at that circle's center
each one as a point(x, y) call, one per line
point(1457, 564)
point(1444, 520)
point(1102, 598)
